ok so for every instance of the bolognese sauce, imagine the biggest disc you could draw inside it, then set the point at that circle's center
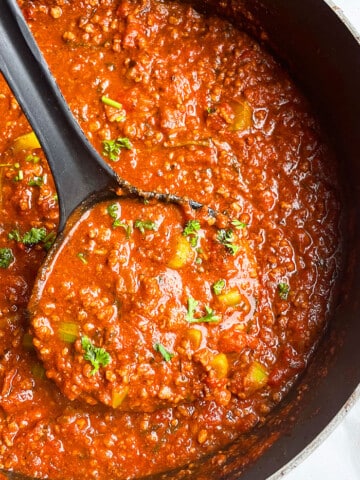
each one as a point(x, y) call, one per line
point(161, 334)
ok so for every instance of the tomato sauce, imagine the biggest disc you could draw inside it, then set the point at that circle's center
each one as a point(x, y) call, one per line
point(154, 344)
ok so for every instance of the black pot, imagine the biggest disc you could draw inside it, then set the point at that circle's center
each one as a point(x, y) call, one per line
point(323, 57)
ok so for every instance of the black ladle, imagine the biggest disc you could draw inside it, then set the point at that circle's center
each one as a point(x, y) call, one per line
point(81, 175)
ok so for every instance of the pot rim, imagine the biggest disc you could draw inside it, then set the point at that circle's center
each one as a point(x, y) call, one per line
point(321, 437)
point(355, 396)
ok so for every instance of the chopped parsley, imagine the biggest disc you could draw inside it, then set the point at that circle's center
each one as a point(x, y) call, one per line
point(81, 256)
point(113, 211)
point(238, 224)
point(283, 290)
point(143, 225)
point(209, 317)
point(190, 230)
point(219, 286)
point(32, 158)
point(49, 240)
point(226, 238)
point(19, 176)
point(38, 181)
point(14, 235)
point(167, 356)
point(95, 355)
point(110, 102)
point(6, 257)
point(112, 148)
point(34, 236)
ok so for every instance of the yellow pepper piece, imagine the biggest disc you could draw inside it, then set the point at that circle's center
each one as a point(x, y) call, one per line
point(257, 376)
point(183, 254)
point(68, 331)
point(220, 365)
point(243, 115)
point(118, 396)
point(28, 141)
point(194, 335)
point(231, 298)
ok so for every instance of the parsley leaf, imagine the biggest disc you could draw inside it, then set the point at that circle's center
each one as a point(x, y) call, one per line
point(191, 227)
point(14, 235)
point(143, 225)
point(49, 240)
point(82, 257)
point(95, 355)
point(37, 181)
point(124, 225)
point(113, 211)
point(112, 148)
point(208, 318)
point(283, 290)
point(34, 236)
point(6, 257)
point(190, 230)
point(219, 286)
point(226, 238)
point(167, 356)
point(238, 224)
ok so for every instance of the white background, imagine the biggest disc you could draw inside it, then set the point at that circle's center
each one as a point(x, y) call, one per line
point(338, 456)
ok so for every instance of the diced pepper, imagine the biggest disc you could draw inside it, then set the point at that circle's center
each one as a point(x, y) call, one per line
point(243, 115)
point(38, 370)
point(231, 298)
point(194, 335)
point(257, 376)
point(68, 331)
point(118, 396)
point(183, 254)
point(220, 365)
point(28, 141)
point(28, 341)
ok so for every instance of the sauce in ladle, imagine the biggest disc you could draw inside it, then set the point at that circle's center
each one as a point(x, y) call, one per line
point(133, 311)
point(68, 302)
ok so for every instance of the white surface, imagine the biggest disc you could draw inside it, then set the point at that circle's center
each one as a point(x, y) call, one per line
point(338, 457)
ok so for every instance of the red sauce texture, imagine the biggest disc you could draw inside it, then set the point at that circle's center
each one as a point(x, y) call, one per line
point(162, 333)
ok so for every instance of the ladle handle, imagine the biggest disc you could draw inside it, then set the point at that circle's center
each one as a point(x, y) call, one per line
point(76, 167)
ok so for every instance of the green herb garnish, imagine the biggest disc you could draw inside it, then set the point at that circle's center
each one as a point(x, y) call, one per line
point(34, 236)
point(219, 286)
point(6, 257)
point(191, 309)
point(143, 225)
point(49, 240)
point(113, 210)
point(95, 355)
point(167, 356)
point(238, 224)
point(112, 148)
point(14, 235)
point(19, 176)
point(38, 181)
point(32, 158)
point(110, 102)
point(81, 256)
point(226, 238)
point(283, 290)
point(190, 230)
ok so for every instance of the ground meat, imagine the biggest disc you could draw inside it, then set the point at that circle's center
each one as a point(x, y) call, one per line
point(202, 111)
